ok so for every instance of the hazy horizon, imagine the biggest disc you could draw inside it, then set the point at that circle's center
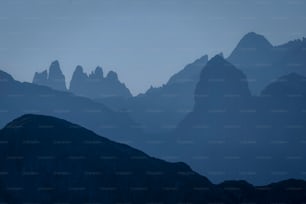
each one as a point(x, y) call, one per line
point(144, 42)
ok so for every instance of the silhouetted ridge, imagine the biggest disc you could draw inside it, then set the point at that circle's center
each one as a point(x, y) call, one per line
point(41, 78)
point(252, 50)
point(54, 79)
point(263, 62)
point(219, 79)
point(98, 73)
point(288, 85)
point(96, 86)
point(67, 163)
point(4, 77)
point(19, 98)
point(254, 41)
point(234, 129)
point(38, 121)
point(160, 109)
point(68, 158)
point(190, 73)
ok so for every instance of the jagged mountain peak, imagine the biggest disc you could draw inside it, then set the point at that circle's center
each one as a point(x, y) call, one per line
point(55, 68)
point(54, 79)
point(95, 85)
point(79, 69)
point(112, 76)
point(99, 71)
point(219, 78)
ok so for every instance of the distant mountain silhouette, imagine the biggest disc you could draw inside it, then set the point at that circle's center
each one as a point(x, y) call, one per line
point(190, 73)
point(19, 98)
point(242, 136)
point(160, 109)
point(291, 85)
point(95, 86)
point(49, 160)
point(222, 89)
point(264, 63)
point(54, 79)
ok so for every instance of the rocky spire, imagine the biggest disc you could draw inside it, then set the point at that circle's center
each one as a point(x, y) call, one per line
point(55, 79)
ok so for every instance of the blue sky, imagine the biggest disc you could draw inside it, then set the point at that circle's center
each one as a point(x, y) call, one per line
point(145, 42)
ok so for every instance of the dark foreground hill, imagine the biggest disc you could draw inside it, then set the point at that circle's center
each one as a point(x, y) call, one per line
point(48, 160)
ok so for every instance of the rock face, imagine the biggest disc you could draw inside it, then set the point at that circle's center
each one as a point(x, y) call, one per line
point(55, 79)
point(264, 63)
point(219, 96)
point(219, 82)
point(236, 132)
point(96, 86)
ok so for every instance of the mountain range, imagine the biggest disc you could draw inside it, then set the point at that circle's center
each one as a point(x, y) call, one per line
point(211, 114)
point(49, 160)
point(160, 109)
point(258, 138)
point(263, 62)
point(94, 85)
point(20, 98)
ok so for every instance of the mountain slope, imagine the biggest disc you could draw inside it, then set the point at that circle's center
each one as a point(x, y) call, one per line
point(49, 160)
point(53, 161)
point(256, 138)
point(160, 109)
point(19, 98)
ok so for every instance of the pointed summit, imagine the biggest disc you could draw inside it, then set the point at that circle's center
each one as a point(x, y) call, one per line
point(99, 72)
point(78, 81)
point(55, 69)
point(97, 75)
point(55, 79)
point(254, 40)
point(78, 70)
point(95, 86)
point(220, 78)
point(112, 76)
point(251, 48)
point(254, 55)
point(41, 78)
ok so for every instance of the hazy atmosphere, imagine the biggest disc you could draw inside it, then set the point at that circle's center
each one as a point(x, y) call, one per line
point(145, 42)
